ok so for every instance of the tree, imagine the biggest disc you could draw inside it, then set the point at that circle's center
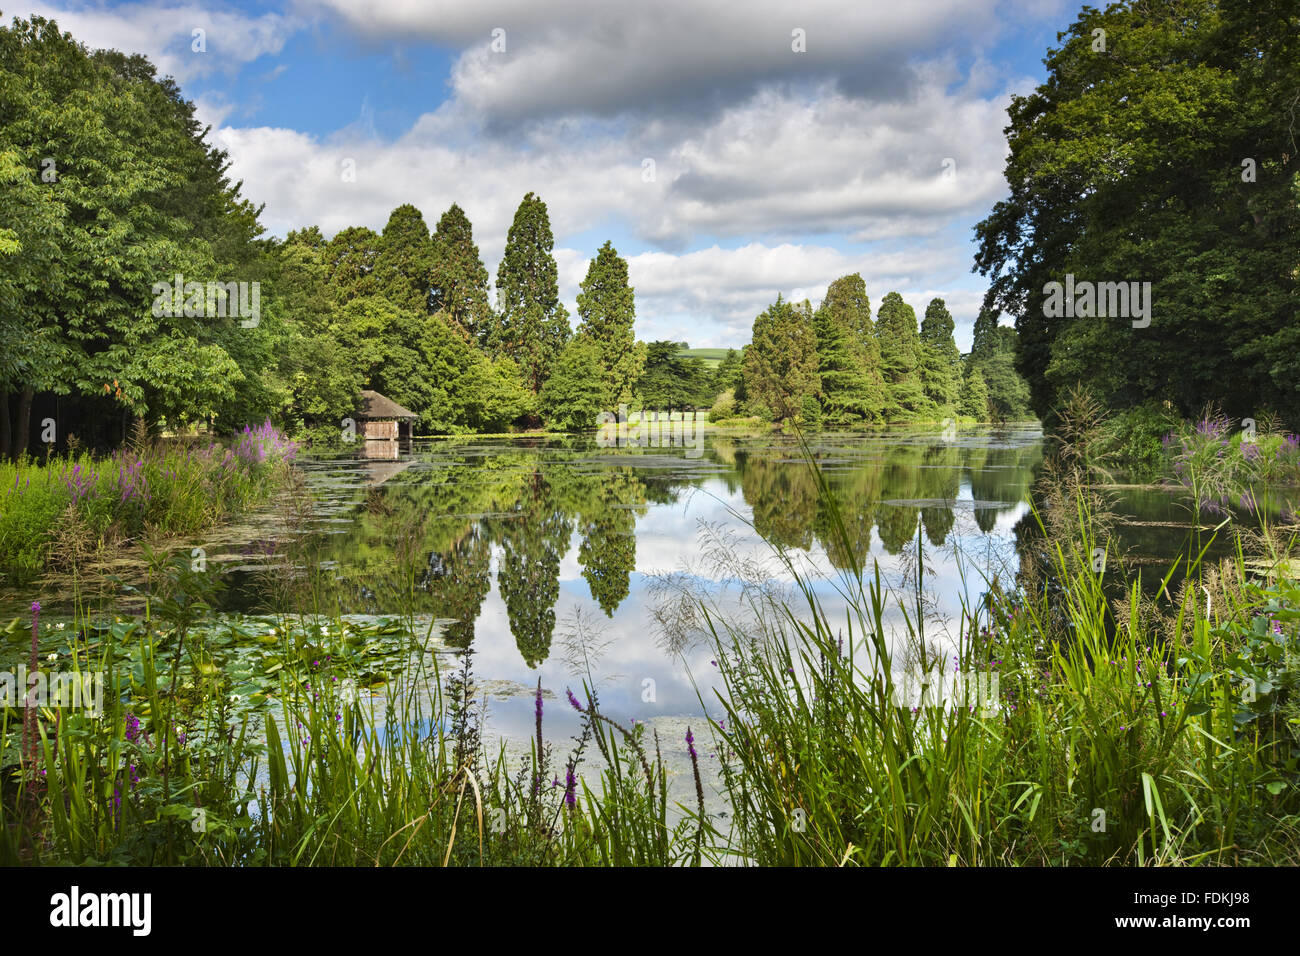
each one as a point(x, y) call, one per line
point(974, 399)
point(532, 326)
point(848, 356)
point(607, 313)
point(130, 195)
point(984, 337)
point(729, 374)
point(459, 279)
point(1163, 159)
point(350, 259)
point(672, 380)
point(404, 263)
point(941, 371)
point(900, 360)
point(573, 396)
point(781, 362)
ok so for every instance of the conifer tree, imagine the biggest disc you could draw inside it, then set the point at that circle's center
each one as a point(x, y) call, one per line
point(848, 356)
point(532, 326)
point(607, 312)
point(459, 281)
point(900, 348)
point(941, 370)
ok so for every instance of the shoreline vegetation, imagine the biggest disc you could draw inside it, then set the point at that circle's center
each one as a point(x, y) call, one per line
point(54, 513)
point(1123, 731)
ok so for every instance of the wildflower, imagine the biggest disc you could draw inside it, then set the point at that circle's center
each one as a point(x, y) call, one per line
point(574, 702)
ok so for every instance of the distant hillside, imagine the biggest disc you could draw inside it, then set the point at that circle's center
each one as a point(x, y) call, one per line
point(710, 357)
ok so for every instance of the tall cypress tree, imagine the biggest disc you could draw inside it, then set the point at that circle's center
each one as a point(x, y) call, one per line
point(900, 361)
point(532, 326)
point(940, 357)
point(459, 279)
point(350, 263)
point(404, 263)
point(607, 309)
point(848, 356)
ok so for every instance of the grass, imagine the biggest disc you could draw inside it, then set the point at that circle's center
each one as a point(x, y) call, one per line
point(1118, 735)
point(53, 513)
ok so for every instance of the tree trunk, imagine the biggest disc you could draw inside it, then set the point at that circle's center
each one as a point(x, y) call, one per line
point(22, 429)
point(6, 436)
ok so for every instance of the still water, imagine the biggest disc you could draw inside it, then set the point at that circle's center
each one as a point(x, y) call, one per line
point(557, 558)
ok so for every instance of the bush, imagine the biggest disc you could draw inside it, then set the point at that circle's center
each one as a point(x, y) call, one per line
point(1135, 437)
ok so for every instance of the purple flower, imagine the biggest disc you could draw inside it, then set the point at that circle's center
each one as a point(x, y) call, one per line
point(574, 702)
point(690, 743)
point(570, 787)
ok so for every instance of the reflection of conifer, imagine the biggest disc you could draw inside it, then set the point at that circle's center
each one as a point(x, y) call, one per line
point(459, 580)
point(608, 550)
point(782, 493)
point(533, 543)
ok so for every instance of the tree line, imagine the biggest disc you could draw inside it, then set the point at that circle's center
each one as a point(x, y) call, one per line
point(113, 193)
point(836, 366)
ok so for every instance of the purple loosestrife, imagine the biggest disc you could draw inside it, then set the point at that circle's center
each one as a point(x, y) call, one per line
point(574, 702)
point(29, 712)
point(699, 791)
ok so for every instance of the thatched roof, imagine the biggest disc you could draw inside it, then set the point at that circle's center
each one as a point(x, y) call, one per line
point(376, 407)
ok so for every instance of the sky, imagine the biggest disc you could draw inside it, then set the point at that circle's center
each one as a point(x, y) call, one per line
point(730, 151)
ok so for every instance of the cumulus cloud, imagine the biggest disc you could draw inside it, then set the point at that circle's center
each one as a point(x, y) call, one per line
point(575, 56)
point(164, 32)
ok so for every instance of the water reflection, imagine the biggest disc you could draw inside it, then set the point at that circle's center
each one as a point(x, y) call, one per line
point(543, 519)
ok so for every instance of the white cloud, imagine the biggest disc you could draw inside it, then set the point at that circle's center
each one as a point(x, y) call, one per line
point(574, 56)
point(164, 32)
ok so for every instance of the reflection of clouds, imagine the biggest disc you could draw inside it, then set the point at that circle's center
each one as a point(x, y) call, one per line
point(708, 519)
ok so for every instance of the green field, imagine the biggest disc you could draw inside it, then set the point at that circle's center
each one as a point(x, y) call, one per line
point(710, 357)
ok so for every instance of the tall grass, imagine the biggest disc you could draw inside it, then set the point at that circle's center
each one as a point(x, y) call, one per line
point(56, 511)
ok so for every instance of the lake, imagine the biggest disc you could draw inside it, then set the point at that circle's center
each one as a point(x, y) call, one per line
point(567, 559)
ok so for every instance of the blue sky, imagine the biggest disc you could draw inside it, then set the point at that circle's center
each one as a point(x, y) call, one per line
point(775, 169)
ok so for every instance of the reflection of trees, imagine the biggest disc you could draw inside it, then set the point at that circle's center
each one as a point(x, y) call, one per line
point(942, 480)
point(781, 491)
point(533, 543)
point(459, 579)
point(900, 479)
point(857, 494)
point(1002, 475)
point(608, 526)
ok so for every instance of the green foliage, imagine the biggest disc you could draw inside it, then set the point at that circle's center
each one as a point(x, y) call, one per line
point(532, 326)
point(404, 264)
point(900, 360)
point(574, 396)
point(974, 399)
point(54, 514)
point(607, 313)
point(459, 279)
point(1134, 165)
point(1135, 438)
point(129, 162)
point(781, 362)
point(848, 355)
point(671, 380)
point(730, 372)
point(941, 367)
